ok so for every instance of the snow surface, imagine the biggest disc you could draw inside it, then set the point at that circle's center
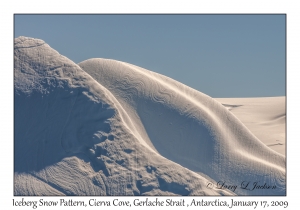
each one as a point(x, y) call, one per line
point(264, 117)
point(105, 127)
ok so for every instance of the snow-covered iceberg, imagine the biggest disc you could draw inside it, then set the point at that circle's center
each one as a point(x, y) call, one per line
point(105, 127)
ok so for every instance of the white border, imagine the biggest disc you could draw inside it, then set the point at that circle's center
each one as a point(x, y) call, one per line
point(134, 6)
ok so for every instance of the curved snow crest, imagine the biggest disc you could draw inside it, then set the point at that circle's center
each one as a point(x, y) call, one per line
point(190, 128)
point(73, 137)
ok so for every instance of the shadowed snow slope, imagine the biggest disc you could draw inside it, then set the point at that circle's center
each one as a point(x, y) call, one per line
point(105, 127)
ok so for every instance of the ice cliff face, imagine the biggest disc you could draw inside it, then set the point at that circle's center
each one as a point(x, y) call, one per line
point(105, 127)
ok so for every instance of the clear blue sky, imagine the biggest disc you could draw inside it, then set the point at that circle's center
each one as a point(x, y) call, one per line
point(219, 55)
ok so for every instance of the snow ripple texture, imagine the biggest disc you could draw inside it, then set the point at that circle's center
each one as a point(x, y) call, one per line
point(106, 127)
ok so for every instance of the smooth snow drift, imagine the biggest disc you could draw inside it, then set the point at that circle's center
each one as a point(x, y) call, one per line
point(106, 127)
point(264, 117)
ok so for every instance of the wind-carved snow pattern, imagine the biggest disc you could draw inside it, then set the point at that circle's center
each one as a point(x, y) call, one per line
point(105, 127)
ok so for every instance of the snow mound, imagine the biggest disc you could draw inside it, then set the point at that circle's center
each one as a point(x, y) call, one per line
point(105, 127)
point(189, 127)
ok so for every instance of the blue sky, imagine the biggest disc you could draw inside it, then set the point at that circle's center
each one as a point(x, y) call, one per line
point(219, 55)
